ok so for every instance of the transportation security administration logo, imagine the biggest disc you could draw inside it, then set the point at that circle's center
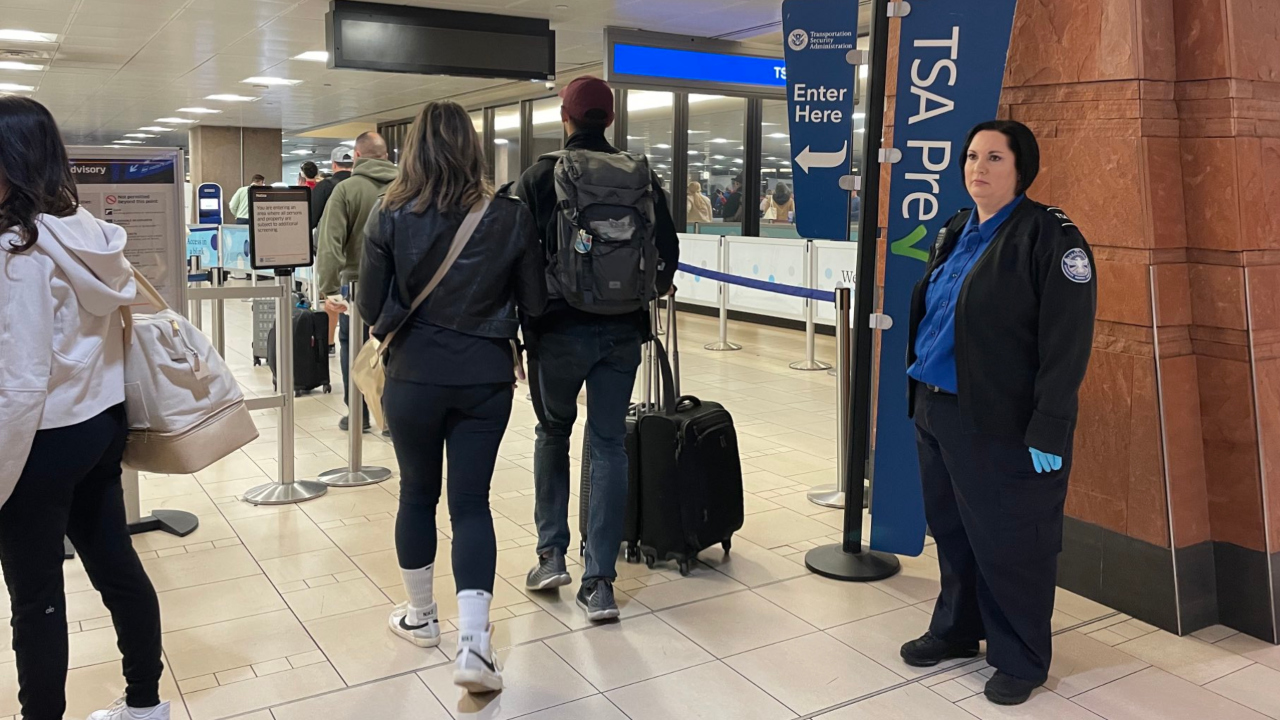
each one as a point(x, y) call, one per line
point(1075, 265)
point(798, 40)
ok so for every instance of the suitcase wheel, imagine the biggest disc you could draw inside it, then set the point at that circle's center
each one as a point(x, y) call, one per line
point(650, 561)
point(299, 393)
point(727, 545)
point(256, 362)
point(684, 568)
point(633, 555)
point(328, 389)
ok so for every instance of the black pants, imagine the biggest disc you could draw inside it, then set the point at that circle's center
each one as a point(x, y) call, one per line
point(71, 486)
point(998, 527)
point(469, 421)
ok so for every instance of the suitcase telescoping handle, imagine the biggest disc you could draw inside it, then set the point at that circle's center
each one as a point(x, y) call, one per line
point(673, 339)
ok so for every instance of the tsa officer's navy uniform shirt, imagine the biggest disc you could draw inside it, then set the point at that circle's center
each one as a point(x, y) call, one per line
point(936, 340)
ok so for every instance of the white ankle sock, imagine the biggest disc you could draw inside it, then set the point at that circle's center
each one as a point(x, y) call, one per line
point(473, 610)
point(418, 584)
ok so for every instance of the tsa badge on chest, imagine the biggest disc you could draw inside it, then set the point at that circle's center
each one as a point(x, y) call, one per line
point(1076, 266)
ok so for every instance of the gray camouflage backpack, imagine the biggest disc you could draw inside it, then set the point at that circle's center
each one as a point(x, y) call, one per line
point(604, 257)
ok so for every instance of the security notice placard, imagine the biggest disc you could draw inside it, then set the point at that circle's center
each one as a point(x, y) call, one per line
point(141, 191)
point(280, 228)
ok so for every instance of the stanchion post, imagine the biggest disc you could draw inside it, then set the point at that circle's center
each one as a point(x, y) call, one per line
point(849, 560)
point(288, 490)
point(217, 314)
point(831, 495)
point(810, 362)
point(356, 473)
point(723, 344)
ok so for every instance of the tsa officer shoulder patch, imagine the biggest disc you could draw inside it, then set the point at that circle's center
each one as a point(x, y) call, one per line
point(1076, 266)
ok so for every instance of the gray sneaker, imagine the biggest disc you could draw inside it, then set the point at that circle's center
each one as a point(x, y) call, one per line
point(596, 598)
point(550, 572)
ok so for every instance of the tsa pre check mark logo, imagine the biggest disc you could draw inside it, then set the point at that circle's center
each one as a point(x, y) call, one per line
point(798, 39)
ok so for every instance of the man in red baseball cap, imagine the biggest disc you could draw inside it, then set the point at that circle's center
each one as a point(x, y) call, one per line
point(570, 345)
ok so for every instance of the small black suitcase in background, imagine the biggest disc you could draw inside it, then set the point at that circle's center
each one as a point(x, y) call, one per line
point(310, 351)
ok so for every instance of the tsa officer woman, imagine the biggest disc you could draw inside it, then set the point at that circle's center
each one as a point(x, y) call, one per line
point(1000, 335)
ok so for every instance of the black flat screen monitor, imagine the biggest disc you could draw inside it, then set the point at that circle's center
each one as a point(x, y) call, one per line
point(424, 41)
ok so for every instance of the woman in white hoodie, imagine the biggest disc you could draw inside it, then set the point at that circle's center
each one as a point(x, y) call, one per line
point(63, 282)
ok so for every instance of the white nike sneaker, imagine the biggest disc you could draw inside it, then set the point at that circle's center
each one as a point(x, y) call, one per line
point(476, 667)
point(424, 635)
point(121, 711)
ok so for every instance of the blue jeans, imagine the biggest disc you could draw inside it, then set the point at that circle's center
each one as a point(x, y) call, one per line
point(344, 352)
point(605, 356)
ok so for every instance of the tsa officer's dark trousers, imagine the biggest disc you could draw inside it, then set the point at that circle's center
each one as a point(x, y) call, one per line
point(998, 527)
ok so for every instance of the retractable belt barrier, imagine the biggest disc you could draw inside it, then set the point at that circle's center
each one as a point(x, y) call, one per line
point(828, 495)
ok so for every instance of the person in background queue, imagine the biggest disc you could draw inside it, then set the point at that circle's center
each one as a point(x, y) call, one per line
point(450, 374)
point(1000, 335)
point(64, 282)
point(733, 201)
point(341, 241)
point(340, 160)
point(240, 200)
point(698, 206)
point(310, 175)
point(570, 347)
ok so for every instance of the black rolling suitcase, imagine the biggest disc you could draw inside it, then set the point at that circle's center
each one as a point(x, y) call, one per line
point(690, 477)
point(685, 471)
point(310, 351)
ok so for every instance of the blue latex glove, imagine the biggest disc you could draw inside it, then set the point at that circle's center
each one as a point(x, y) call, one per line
point(1045, 462)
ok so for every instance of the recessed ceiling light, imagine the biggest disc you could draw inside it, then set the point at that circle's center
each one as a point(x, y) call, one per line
point(28, 36)
point(187, 121)
point(199, 111)
point(693, 152)
point(348, 143)
point(128, 142)
point(14, 65)
point(156, 128)
point(312, 56)
point(500, 141)
point(663, 146)
point(269, 81)
point(720, 140)
point(737, 161)
point(300, 151)
point(140, 135)
point(12, 87)
point(233, 98)
point(778, 136)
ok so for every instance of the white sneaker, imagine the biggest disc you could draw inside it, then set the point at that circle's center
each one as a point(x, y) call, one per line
point(425, 635)
point(476, 667)
point(121, 711)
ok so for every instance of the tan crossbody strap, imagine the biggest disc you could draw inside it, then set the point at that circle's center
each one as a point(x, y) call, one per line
point(460, 241)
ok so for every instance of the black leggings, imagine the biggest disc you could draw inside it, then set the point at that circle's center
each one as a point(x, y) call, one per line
point(470, 421)
point(71, 486)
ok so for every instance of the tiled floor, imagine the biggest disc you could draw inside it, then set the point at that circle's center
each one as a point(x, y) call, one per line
point(278, 613)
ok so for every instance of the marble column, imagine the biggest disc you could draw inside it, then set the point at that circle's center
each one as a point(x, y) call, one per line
point(230, 156)
point(1159, 123)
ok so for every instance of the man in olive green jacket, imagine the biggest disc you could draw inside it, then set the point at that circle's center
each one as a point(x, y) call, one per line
point(341, 237)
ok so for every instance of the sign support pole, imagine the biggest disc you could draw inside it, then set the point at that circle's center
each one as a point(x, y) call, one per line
point(849, 560)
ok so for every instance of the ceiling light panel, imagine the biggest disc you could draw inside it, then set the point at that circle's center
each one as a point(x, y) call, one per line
point(27, 36)
point(199, 111)
point(15, 65)
point(233, 98)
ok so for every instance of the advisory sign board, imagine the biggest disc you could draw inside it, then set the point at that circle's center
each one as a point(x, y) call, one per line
point(140, 189)
point(280, 228)
point(821, 43)
point(951, 62)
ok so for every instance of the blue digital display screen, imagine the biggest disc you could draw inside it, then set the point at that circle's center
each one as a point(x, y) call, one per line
point(698, 66)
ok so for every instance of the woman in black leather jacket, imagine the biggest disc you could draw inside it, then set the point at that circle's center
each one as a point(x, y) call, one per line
point(451, 366)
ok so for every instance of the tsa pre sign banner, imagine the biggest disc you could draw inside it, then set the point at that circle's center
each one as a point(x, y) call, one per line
point(821, 35)
point(951, 64)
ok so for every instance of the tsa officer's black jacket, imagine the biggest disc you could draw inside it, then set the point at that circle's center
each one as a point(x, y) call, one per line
point(1024, 326)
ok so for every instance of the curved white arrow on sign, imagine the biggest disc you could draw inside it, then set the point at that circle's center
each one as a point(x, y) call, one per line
point(810, 159)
